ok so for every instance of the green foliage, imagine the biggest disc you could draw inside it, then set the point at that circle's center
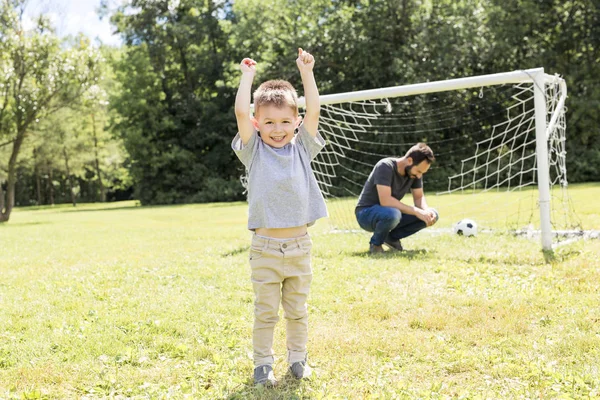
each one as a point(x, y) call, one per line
point(174, 110)
point(175, 79)
point(563, 37)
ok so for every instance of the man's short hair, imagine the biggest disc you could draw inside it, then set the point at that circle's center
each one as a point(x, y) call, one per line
point(420, 152)
point(278, 93)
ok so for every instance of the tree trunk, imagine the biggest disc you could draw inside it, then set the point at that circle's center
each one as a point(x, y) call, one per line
point(6, 207)
point(50, 186)
point(2, 204)
point(69, 177)
point(97, 162)
point(8, 203)
point(38, 179)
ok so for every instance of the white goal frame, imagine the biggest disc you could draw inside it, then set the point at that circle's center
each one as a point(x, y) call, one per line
point(536, 76)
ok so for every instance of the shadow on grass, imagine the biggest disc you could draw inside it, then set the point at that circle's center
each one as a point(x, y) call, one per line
point(16, 224)
point(558, 256)
point(548, 257)
point(235, 252)
point(287, 388)
point(85, 207)
point(484, 260)
point(138, 206)
point(406, 254)
point(74, 209)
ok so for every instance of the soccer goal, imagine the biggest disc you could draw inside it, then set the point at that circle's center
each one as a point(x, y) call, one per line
point(499, 142)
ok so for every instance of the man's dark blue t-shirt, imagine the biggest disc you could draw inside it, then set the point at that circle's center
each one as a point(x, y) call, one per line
point(386, 173)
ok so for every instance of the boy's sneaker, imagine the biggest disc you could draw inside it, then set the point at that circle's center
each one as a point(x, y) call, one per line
point(263, 375)
point(393, 245)
point(300, 370)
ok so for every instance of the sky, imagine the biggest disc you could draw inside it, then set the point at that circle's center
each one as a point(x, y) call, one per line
point(71, 17)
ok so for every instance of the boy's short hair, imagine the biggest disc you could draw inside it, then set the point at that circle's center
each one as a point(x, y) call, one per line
point(420, 152)
point(278, 93)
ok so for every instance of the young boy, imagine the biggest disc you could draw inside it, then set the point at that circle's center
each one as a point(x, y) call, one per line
point(283, 200)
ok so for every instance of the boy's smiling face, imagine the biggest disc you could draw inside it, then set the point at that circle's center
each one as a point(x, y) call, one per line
point(276, 124)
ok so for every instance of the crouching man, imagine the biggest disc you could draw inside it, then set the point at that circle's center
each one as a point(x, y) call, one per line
point(380, 209)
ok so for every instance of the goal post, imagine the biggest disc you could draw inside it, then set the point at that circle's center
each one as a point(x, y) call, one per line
point(510, 127)
point(541, 140)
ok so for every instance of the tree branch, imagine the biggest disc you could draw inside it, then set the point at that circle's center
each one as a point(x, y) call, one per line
point(7, 143)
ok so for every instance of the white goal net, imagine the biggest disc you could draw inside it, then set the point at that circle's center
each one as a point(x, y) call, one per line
point(499, 142)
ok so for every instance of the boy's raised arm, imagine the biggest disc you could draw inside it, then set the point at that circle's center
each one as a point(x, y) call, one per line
point(306, 62)
point(243, 99)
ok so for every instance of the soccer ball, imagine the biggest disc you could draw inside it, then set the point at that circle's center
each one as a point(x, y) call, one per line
point(466, 227)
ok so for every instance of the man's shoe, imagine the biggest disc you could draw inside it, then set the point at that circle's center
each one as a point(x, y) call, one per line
point(300, 370)
point(374, 249)
point(263, 375)
point(394, 245)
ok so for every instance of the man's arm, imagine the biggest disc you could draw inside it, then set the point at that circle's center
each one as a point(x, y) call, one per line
point(306, 62)
point(243, 98)
point(419, 200)
point(387, 200)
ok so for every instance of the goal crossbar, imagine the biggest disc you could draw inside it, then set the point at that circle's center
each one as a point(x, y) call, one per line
point(502, 78)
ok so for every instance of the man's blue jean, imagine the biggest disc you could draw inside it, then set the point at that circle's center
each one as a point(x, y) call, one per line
point(389, 223)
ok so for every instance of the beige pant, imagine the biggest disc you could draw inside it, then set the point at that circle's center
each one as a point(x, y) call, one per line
point(281, 273)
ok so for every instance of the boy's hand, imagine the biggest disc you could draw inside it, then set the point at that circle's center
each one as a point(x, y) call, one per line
point(248, 65)
point(305, 61)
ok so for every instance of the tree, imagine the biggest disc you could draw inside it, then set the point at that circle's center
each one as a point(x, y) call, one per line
point(40, 77)
point(74, 147)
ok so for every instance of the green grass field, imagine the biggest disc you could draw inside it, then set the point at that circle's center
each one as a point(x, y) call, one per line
point(120, 301)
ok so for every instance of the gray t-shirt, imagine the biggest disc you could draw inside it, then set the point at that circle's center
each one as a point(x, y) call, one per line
point(282, 188)
point(386, 173)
